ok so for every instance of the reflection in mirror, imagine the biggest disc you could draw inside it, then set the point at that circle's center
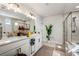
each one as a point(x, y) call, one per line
point(13, 26)
point(20, 27)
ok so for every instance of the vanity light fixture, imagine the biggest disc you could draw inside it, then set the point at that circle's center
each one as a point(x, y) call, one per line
point(17, 10)
point(9, 6)
point(12, 6)
point(31, 16)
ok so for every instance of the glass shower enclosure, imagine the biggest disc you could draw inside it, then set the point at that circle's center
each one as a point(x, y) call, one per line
point(71, 34)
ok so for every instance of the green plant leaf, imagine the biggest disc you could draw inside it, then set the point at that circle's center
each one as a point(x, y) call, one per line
point(49, 29)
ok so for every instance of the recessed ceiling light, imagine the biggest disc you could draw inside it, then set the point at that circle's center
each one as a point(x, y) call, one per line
point(77, 7)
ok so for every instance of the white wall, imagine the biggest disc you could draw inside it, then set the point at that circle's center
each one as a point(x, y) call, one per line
point(57, 22)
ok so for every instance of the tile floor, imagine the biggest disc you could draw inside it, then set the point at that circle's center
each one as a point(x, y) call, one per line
point(49, 51)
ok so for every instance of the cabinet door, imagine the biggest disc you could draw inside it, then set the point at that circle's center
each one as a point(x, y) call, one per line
point(25, 49)
point(37, 43)
point(10, 53)
point(7, 47)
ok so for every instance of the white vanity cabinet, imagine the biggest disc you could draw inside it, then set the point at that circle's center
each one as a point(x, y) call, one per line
point(9, 46)
point(10, 49)
point(38, 43)
point(26, 48)
point(10, 53)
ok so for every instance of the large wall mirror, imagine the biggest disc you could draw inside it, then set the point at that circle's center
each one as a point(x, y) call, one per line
point(11, 26)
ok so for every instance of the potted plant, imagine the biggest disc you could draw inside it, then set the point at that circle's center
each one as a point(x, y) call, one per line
point(49, 30)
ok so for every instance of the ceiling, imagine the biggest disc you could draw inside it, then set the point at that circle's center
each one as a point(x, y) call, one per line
point(49, 9)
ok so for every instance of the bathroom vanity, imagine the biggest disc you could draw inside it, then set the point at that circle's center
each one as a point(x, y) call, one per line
point(12, 23)
point(9, 46)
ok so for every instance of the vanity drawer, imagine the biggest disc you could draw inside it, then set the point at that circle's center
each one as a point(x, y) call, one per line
point(26, 50)
point(11, 46)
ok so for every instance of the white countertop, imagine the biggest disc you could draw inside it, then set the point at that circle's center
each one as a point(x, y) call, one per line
point(4, 41)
